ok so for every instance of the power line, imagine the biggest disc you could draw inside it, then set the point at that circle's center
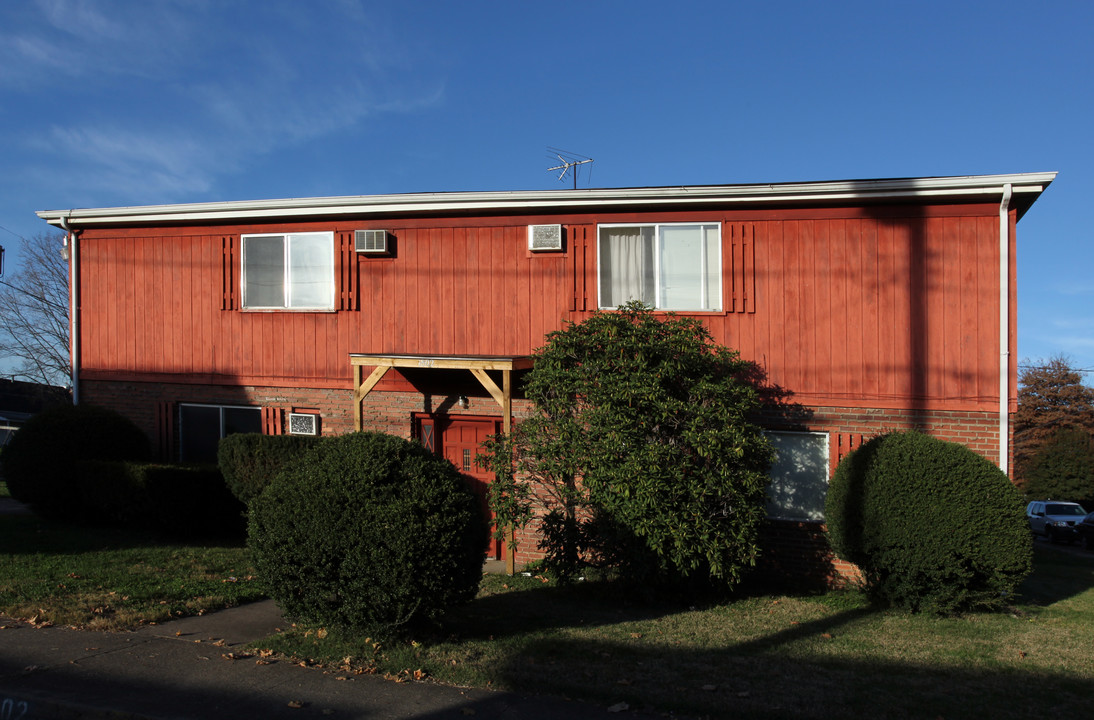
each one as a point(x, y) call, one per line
point(1085, 371)
point(12, 232)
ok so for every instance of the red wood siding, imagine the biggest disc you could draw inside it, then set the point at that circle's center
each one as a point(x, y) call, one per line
point(848, 307)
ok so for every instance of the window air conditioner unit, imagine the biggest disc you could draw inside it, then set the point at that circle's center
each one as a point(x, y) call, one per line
point(303, 424)
point(373, 242)
point(544, 237)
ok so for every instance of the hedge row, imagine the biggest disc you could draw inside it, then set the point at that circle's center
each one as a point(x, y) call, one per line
point(182, 501)
point(86, 464)
point(249, 461)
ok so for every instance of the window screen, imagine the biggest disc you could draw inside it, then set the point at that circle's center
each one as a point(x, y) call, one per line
point(799, 476)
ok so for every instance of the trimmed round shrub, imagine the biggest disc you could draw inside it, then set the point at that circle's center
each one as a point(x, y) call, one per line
point(370, 533)
point(933, 526)
point(41, 463)
point(249, 461)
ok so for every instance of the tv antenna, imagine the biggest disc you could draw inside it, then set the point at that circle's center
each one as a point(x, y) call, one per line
point(570, 161)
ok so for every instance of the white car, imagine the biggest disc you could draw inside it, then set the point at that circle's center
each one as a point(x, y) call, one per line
point(1056, 520)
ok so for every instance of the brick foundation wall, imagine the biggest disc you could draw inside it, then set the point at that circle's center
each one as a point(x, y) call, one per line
point(384, 411)
point(979, 431)
point(791, 550)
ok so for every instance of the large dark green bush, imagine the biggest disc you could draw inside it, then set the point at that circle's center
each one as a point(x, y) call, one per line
point(368, 532)
point(189, 502)
point(933, 526)
point(1062, 468)
point(40, 463)
point(249, 461)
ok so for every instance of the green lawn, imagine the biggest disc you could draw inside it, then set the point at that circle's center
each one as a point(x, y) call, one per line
point(110, 579)
point(757, 656)
point(828, 656)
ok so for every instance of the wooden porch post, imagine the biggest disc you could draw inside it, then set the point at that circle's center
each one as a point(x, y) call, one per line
point(507, 428)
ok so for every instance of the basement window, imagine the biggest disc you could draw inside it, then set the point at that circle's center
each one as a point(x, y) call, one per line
point(291, 271)
point(799, 476)
point(202, 426)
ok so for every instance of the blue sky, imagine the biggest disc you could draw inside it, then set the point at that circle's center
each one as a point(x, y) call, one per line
point(137, 102)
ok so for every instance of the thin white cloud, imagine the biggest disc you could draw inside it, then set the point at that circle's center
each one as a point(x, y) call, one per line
point(197, 97)
point(81, 18)
point(55, 42)
point(135, 164)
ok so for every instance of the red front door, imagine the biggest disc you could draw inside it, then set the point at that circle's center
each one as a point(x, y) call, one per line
point(460, 440)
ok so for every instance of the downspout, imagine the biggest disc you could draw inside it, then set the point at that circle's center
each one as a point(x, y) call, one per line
point(1004, 330)
point(71, 252)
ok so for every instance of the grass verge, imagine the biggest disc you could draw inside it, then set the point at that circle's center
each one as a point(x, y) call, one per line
point(823, 656)
point(756, 656)
point(108, 579)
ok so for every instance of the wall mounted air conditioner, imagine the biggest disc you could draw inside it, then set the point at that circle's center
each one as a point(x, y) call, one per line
point(544, 237)
point(372, 242)
point(303, 424)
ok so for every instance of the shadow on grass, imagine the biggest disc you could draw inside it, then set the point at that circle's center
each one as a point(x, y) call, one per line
point(1058, 573)
point(810, 669)
point(766, 679)
point(30, 534)
point(538, 609)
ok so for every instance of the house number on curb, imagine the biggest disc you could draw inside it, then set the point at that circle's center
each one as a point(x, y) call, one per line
point(13, 709)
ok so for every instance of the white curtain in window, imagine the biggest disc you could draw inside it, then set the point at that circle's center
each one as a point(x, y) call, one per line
point(626, 266)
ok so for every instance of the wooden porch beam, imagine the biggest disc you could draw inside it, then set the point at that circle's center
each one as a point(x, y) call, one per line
point(491, 387)
point(443, 363)
point(360, 390)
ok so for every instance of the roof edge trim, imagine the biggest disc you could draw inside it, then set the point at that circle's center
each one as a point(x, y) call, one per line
point(958, 188)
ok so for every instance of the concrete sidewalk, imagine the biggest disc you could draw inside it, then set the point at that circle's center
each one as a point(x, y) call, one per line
point(180, 670)
point(11, 506)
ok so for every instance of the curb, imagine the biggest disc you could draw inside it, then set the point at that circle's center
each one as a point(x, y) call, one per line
point(35, 707)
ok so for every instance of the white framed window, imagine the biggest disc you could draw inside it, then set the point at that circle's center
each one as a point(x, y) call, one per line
point(293, 271)
point(799, 475)
point(202, 426)
point(669, 266)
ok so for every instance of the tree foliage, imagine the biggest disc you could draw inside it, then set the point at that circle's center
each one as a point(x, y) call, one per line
point(1063, 468)
point(1055, 412)
point(41, 463)
point(34, 327)
point(641, 453)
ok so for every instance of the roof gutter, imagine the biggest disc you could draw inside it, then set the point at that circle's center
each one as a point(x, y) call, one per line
point(1004, 329)
point(962, 189)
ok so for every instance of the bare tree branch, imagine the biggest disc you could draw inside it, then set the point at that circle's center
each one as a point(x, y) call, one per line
point(34, 328)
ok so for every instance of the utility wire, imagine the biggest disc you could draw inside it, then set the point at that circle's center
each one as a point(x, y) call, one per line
point(12, 232)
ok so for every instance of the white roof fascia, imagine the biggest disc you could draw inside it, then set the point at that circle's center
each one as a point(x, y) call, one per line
point(963, 187)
